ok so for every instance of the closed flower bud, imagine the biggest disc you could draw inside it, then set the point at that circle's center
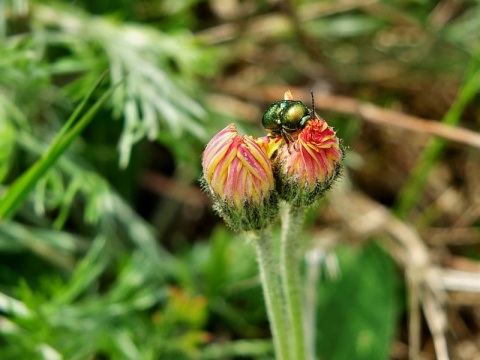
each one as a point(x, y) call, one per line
point(237, 173)
point(305, 172)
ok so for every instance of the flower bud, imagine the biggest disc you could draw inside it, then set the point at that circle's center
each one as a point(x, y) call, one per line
point(306, 172)
point(237, 173)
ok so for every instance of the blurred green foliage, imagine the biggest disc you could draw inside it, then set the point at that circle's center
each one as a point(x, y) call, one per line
point(357, 312)
point(91, 266)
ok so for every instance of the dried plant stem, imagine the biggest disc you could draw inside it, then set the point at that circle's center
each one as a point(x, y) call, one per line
point(414, 323)
point(270, 280)
point(290, 259)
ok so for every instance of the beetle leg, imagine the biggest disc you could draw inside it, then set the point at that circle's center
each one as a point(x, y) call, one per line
point(289, 140)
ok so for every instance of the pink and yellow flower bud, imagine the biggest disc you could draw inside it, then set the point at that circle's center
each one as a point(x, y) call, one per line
point(237, 173)
point(305, 173)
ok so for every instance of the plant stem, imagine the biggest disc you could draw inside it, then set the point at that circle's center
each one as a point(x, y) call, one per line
point(313, 259)
point(290, 259)
point(273, 293)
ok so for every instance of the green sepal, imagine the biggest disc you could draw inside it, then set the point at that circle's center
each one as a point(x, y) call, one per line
point(251, 216)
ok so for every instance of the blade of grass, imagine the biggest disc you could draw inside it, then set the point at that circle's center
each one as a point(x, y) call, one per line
point(412, 190)
point(20, 189)
point(78, 110)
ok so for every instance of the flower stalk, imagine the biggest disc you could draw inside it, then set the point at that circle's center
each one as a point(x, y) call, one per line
point(270, 281)
point(290, 265)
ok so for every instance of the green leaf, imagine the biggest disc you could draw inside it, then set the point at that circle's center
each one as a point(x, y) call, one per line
point(7, 144)
point(20, 189)
point(160, 70)
point(357, 313)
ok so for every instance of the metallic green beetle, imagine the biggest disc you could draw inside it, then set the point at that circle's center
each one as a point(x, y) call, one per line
point(286, 117)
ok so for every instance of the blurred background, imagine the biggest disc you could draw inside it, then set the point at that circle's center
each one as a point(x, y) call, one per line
point(116, 253)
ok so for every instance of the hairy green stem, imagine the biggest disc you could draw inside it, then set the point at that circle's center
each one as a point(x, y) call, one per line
point(290, 261)
point(312, 277)
point(273, 293)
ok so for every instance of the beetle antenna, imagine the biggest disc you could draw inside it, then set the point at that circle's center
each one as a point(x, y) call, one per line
point(312, 115)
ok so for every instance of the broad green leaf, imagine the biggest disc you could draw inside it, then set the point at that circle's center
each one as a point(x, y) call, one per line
point(357, 312)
